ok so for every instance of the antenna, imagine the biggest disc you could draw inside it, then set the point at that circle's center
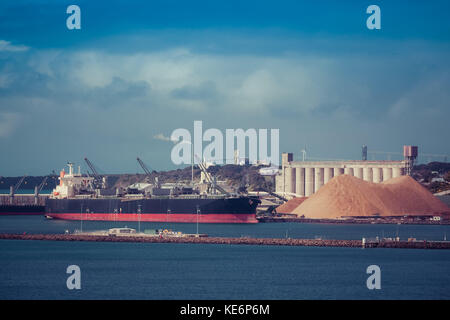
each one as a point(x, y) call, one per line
point(303, 151)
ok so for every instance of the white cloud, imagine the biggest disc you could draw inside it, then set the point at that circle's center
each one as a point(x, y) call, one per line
point(162, 137)
point(234, 82)
point(179, 80)
point(7, 46)
point(188, 80)
point(322, 100)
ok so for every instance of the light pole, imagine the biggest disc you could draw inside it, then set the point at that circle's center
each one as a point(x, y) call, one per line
point(81, 218)
point(139, 218)
point(198, 211)
point(192, 164)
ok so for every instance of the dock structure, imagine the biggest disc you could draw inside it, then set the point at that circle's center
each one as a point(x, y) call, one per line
point(237, 241)
point(23, 199)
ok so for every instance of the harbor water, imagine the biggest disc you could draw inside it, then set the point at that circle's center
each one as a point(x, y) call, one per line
point(39, 224)
point(37, 269)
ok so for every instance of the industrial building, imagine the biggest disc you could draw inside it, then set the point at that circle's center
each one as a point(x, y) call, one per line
point(303, 178)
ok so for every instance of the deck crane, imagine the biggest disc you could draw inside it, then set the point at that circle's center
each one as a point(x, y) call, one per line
point(41, 185)
point(210, 179)
point(98, 180)
point(147, 172)
point(89, 163)
point(19, 183)
point(12, 189)
point(37, 190)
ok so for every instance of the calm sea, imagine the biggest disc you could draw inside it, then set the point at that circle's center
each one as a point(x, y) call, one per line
point(37, 269)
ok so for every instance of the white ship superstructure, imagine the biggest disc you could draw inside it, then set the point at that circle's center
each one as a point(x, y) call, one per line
point(71, 183)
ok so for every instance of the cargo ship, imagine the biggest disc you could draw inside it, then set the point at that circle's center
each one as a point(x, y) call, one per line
point(72, 200)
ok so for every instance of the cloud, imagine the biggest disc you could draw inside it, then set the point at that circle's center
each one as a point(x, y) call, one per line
point(7, 46)
point(162, 137)
point(180, 79)
point(118, 93)
point(97, 102)
point(183, 80)
point(204, 90)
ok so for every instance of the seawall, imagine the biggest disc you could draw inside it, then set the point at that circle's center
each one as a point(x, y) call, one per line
point(234, 241)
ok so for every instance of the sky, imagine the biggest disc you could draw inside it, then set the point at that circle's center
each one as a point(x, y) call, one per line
point(137, 70)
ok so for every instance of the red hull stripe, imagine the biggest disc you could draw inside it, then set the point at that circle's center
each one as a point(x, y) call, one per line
point(159, 217)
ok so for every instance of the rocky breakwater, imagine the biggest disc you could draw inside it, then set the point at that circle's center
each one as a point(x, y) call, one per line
point(232, 241)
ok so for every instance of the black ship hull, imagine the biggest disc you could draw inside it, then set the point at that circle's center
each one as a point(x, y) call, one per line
point(189, 210)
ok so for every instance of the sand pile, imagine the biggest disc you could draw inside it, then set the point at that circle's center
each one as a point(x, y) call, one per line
point(290, 205)
point(346, 195)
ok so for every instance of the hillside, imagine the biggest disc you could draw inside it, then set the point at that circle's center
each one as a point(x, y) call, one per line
point(435, 176)
point(236, 176)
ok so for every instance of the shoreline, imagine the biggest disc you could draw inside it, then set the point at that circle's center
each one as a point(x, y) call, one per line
point(235, 241)
point(352, 221)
